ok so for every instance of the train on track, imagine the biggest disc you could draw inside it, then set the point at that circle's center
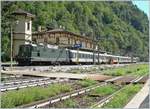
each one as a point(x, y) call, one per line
point(32, 54)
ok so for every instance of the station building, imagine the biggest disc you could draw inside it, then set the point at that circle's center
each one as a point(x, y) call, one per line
point(62, 37)
point(23, 34)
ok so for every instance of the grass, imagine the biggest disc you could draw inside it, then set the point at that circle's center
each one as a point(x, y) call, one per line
point(79, 70)
point(16, 98)
point(24, 96)
point(75, 71)
point(86, 82)
point(104, 90)
point(136, 70)
point(87, 99)
point(69, 103)
point(123, 97)
point(118, 101)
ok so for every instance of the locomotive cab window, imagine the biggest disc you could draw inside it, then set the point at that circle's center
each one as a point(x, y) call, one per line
point(38, 53)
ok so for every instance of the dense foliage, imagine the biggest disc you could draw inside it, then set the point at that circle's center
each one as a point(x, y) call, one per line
point(120, 26)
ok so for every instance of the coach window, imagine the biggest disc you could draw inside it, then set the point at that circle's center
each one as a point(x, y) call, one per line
point(79, 55)
point(71, 54)
point(87, 56)
point(74, 55)
point(82, 55)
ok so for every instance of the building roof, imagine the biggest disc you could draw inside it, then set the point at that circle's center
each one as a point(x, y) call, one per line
point(62, 31)
point(22, 12)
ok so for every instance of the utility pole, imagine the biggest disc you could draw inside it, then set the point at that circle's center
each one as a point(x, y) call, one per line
point(98, 54)
point(77, 55)
point(97, 43)
point(11, 41)
point(93, 48)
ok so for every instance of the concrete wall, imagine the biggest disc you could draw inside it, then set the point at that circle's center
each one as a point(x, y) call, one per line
point(16, 44)
point(21, 33)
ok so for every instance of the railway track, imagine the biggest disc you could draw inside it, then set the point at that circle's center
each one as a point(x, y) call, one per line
point(23, 81)
point(42, 103)
point(141, 79)
point(107, 99)
point(75, 93)
point(29, 83)
point(15, 85)
point(12, 76)
point(128, 79)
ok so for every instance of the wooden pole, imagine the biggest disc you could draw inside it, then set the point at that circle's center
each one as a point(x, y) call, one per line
point(98, 54)
point(11, 41)
point(93, 50)
point(78, 56)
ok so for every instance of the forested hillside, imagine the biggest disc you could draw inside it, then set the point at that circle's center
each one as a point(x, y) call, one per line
point(121, 26)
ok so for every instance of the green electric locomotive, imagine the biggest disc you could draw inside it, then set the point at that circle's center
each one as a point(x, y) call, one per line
point(38, 54)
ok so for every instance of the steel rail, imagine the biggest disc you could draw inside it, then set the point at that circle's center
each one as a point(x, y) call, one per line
point(108, 98)
point(32, 85)
point(12, 76)
point(24, 81)
point(42, 103)
point(142, 77)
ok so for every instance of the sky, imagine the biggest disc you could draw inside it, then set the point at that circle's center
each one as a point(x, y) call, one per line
point(143, 5)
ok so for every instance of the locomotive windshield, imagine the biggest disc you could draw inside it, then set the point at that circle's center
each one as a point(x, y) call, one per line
point(25, 50)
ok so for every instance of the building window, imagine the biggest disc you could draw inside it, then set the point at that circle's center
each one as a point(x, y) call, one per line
point(34, 40)
point(57, 40)
point(28, 26)
point(69, 41)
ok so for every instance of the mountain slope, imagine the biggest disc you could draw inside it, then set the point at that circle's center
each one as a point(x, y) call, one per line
point(121, 27)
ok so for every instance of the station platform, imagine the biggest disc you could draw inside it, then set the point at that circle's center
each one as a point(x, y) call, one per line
point(98, 77)
point(139, 98)
point(145, 103)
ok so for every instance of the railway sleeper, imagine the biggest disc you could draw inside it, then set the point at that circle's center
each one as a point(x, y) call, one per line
point(64, 96)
